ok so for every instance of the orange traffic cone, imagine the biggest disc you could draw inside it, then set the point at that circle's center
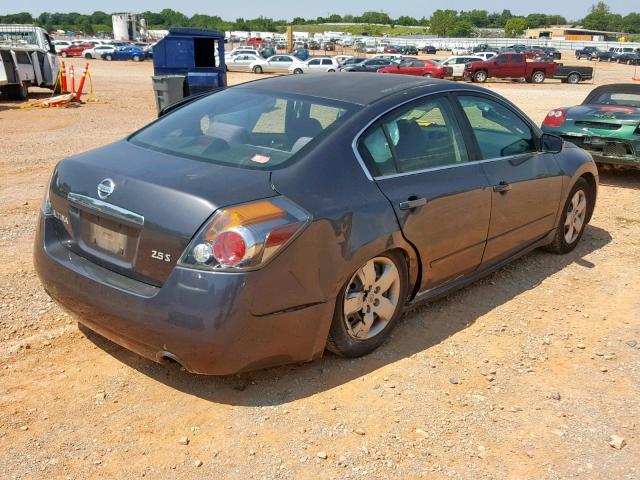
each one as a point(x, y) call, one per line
point(72, 80)
point(63, 78)
point(81, 84)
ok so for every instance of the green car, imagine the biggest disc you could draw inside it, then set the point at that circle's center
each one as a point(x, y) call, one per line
point(607, 124)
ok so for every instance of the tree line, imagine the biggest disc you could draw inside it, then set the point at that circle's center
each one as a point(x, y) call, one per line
point(451, 23)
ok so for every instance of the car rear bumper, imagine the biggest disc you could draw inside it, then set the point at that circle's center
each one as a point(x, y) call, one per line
point(608, 150)
point(203, 320)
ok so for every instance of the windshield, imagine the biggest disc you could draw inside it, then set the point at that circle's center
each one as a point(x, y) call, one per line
point(242, 128)
point(617, 98)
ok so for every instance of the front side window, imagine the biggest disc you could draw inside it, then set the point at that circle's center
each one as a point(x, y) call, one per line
point(498, 131)
point(243, 128)
point(503, 59)
point(425, 136)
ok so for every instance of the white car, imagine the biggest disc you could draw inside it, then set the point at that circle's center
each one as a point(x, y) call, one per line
point(485, 55)
point(97, 51)
point(457, 51)
point(342, 58)
point(316, 65)
point(242, 62)
point(457, 63)
point(275, 64)
point(242, 51)
point(60, 44)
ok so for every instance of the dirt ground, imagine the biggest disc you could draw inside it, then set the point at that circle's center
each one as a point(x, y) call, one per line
point(523, 375)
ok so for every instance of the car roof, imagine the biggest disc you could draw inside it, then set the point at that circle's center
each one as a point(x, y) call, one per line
point(369, 88)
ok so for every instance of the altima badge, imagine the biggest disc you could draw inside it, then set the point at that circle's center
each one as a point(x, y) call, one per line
point(105, 188)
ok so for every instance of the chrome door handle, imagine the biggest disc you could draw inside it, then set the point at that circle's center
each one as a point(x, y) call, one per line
point(502, 187)
point(413, 203)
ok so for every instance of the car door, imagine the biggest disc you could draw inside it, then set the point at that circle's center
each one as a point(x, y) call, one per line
point(526, 183)
point(327, 64)
point(283, 63)
point(441, 197)
point(517, 66)
point(314, 65)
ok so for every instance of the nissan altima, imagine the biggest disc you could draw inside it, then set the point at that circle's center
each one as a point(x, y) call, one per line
point(267, 222)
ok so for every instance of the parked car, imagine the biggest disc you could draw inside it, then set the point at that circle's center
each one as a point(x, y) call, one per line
point(343, 58)
point(59, 45)
point(587, 52)
point(366, 65)
point(275, 64)
point(241, 63)
point(97, 51)
point(573, 74)
point(459, 51)
point(356, 203)
point(125, 53)
point(429, 50)
point(390, 49)
point(457, 64)
point(603, 55)
point(509, 65)
point(75, 50)
point(316, 65)
point(630, 58)
point(482, 47)
point(409, 50)
point(254, 41)
point(329, 47)
point(607, 124)
point(485, 55)
point(420, 68)
point(552, 52)
point(617, 51)
point(242, 51)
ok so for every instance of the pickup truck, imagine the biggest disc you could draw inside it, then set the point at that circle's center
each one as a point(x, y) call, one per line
point(509, 65)
point(570, 74)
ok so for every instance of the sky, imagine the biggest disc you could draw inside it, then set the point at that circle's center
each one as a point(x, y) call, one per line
point(287, 9)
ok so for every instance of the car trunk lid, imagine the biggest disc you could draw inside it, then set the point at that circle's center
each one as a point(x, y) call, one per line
point(156, 205)
point(603, 118)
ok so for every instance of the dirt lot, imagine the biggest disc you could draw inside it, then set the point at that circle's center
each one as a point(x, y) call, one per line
point(523, 375)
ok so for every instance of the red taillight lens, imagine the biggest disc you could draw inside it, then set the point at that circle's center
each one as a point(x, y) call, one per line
point(555, 118)
point(229, 248)
point(245, 237)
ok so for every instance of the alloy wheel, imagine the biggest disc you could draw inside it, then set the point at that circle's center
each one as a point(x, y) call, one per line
point(575, 217)
point(371, 298)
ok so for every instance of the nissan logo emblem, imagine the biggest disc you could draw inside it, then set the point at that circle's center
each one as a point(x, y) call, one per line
point(105, 188)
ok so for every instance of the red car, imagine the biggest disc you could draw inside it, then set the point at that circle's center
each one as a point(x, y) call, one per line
point(256, 41)
point(75, 50)
point(420, 68)
point(390, 49)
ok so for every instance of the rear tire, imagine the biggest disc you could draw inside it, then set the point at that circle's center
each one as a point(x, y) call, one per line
point(108, 58)
point(427, 75)
point(538, 77)
point(375, 298)
point(18, 92)
point(574, 78)
point(297, 71)
point(64, 54)
point(136, 58)
point(88, 56)
point(573, 220)
point(257, 69)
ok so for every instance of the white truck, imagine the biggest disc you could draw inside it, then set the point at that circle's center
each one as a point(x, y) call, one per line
point(28, 58)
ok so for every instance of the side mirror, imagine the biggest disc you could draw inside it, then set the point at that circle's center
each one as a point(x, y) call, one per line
point(551, 143)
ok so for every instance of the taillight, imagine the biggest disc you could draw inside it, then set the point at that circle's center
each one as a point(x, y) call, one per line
point(555, 118)
point(245, 237)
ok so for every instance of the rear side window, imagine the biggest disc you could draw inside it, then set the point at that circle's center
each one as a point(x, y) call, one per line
point(244, 128)
point(498, 131)
point(425, 136)
point(326, 61)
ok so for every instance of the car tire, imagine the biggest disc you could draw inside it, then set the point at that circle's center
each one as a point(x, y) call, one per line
point(427, 75)
point(64, 54)
point(257, 69)
point(349, 334)
point(568, 236)
point(331, 70)
point(480, 76)
point(87, 56)
point(136, 58)
point(538, 77)
point(574, 78)
point(297, 71)
point(18, 92)
point(108, 57)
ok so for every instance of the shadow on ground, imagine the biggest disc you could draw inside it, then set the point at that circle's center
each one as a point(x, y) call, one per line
point(419, 330)
point(620, 178)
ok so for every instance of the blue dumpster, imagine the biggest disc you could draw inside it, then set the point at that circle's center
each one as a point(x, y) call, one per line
point(195, 54)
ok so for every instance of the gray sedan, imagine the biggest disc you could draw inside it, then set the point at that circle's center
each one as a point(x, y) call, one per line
point(263, 223)
point(275, 64)
point(242, 62)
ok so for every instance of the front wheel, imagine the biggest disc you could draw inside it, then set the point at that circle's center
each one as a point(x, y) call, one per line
point(64, 55)
point(427, 75)
point(108, 58)
point(297, 71)
point(480, 76)
point(331, 70)
point(136, 58)
point(538, 77)
point(87, 56)
point(368, 306)
point(573, 219)
point(257, 69)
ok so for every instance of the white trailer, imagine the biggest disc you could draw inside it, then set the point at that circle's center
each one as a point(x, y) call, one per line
point(28, 59)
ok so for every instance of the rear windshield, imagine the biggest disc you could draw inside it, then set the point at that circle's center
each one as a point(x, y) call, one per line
point(617, 98)
point(242, 128)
